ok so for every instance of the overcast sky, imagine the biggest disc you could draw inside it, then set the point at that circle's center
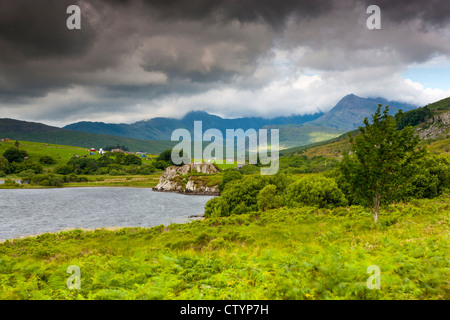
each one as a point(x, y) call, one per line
point(135, 60)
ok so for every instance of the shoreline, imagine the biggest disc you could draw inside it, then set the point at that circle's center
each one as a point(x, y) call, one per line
point(214, 194)
point(191, 217)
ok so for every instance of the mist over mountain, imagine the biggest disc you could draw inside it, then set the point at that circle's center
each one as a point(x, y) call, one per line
point(161, 128)
point(295, 130)
point(349, 113)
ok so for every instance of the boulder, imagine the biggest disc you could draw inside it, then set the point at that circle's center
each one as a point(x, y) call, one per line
point(172, 179)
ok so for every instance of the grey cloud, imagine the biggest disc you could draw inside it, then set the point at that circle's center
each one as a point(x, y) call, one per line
point(135, 51)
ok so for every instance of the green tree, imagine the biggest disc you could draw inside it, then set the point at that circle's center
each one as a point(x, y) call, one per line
point(15, 155)
point(381, 161)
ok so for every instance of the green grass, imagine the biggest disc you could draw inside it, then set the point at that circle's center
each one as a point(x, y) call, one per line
point(302, 253)
point(60, 153)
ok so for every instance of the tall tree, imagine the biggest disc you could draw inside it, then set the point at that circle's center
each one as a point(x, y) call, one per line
point(381, 161)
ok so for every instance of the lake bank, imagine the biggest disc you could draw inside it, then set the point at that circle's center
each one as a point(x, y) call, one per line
point(34, 211)
point(149, 181)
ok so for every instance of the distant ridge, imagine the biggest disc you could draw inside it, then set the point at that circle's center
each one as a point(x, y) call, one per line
point(162, 128)
point(296, 130)
point(351, 110)
point(38, 132)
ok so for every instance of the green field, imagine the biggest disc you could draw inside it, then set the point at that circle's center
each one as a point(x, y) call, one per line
point(60, 153)
point(301, 253)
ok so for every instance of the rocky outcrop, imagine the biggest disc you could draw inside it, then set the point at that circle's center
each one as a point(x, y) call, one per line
point(434, 127)
point(180, 179)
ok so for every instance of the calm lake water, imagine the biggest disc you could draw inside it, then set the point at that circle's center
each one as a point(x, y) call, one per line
point(34, 211)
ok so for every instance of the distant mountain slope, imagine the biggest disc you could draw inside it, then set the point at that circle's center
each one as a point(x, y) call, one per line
point(38, 132)
point(431, 123)
point(351, 110)
point(162, 128)
point(347, 115)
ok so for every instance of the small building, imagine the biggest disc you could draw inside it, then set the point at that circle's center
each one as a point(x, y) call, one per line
point(117, 150)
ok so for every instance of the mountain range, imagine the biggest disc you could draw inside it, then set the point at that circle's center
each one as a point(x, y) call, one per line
point(162, 128)
point(154, 135)
point(38, 132)
point(296, 130)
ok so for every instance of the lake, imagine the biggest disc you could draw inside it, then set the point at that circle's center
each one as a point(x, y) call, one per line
point(34, 211)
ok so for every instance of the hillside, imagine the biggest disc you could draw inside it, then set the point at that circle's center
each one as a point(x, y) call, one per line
point(162, 128)
point(295, 130)
point(351, 110)
point(38, 132)
point(345, 116)
point(431, 122)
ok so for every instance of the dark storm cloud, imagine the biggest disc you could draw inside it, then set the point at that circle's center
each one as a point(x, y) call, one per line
point(36, 29)
point(430, 12)
point(132, 51)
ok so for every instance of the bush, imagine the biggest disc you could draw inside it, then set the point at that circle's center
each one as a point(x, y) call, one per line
point(432, 178)
point(238, 197)
point(162, 165)
point(15, 155)
point(10, 182)
point(132, 159)
point(104, 161)
point(47, 160)
point(83, 165)
point(229, 175)
point(241, 195)
point(268, 198)
point(45, 180)
point(4, 164)
point(65, 169)
point(26, 173)
point(147, 169)
point(315, 191)
point(115, 172)
point(249, 169)
point(25, 165)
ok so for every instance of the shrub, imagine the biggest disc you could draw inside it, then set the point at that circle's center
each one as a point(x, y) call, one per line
point(238, 197)
point(147, 169)
point(229, 175)
point(84, 165)
point(432, 178)
point(315, 191)
point(30, 165)
point(45, 180)
point(268, 198)
point(115, 172)
point(15, 155)
point(162, 165)
point(241, 195)
point(47, 160)
point(26, 173)
point(132, 159)
point(4, 164)
point(65, 169)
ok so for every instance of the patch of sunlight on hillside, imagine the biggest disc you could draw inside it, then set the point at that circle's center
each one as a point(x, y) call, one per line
point(318, 136)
